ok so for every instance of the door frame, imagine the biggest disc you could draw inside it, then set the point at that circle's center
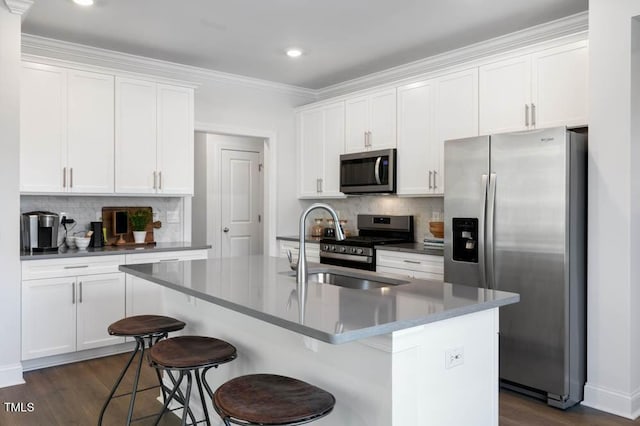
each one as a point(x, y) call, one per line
point(269, 190)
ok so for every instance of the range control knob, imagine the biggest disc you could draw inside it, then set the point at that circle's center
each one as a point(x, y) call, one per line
point(360, 251)
point(332, 248)
point(343, 249)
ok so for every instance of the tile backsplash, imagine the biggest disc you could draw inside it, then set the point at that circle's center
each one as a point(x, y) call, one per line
point(86, 209)
point(350, 207)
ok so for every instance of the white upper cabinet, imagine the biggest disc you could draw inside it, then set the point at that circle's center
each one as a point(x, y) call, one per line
point(429, 113)
point(321, 136)
point(543, 89)
point(559, 88)
point(154, 138)
point(66, 122)
point(175, 140)
point(371, 121)
point(90, 132)
point(43, 130)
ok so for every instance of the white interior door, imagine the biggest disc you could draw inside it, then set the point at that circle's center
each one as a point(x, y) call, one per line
point(241, 203)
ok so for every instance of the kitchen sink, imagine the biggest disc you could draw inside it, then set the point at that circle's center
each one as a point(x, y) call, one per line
point(355, 281)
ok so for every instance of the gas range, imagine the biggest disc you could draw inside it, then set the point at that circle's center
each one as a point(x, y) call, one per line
point(358, 251)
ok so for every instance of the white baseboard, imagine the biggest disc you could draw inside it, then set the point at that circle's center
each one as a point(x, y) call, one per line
point(52, 361)
point(614, 402)
point(11, 375)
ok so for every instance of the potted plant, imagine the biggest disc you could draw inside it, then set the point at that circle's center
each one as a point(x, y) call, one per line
point(139, 220)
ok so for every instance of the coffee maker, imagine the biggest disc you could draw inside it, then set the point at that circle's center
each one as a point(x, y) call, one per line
point(39, 231)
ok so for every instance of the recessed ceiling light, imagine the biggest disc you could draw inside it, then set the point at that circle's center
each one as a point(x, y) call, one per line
point(83, 2)
point(294, 52)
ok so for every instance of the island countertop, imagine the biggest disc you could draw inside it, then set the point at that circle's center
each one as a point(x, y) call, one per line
point(263, 287)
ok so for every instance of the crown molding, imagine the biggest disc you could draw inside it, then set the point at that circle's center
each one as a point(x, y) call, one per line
point(19, 7)
point(573, 25)
point(37, 46)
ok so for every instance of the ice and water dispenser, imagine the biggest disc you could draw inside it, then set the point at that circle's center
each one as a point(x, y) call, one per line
point(465, 239)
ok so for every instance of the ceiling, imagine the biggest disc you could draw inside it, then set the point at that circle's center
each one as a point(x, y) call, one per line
point(341, 39)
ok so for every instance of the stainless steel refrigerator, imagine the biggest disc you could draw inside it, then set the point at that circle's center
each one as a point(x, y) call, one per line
point(515, 220)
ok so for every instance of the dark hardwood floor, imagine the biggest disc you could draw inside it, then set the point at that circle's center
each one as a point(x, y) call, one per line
point(73, 394)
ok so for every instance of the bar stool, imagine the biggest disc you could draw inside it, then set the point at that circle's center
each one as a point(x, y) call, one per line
point(184, 355)
point(142, 328)
point(269, 399)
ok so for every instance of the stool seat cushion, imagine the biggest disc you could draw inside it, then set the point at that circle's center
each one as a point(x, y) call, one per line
point(271, 400)
point(191, 352)
point(142, 325)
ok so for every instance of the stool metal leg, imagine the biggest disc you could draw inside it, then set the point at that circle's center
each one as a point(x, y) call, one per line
point(132, 401)
point(115, 386)
point(187, 397)
point(204, 403)
point(165, 406)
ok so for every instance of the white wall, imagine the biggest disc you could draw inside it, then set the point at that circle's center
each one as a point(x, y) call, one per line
point(10, 368)
point(613, 351)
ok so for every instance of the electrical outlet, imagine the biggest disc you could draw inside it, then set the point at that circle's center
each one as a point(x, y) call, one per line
point(454, 357)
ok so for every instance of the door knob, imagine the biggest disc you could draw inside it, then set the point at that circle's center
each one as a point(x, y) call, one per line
point(226, 229)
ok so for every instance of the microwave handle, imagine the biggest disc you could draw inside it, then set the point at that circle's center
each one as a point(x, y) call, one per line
point(377, 170)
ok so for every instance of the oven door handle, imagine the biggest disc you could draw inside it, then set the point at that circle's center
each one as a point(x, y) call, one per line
point(351, 257)
point(377, 170)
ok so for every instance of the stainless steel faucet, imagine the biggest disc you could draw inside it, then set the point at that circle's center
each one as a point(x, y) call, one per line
point(301, 276)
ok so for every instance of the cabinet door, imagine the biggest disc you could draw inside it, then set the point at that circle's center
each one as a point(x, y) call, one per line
point(90, 132)
point(382, 121)
point(456, 116)
point(136, 128)
point(505, 95)
point(415, 136)
point(43, 124)
point(175, 140)
point(310, 131)
point(357, 124)
point(333, 147)
point(100, 302)
point(48, 317)
point(560, 86)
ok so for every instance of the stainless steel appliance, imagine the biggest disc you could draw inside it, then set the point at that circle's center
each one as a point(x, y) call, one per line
point(39, 231)
point(515, 220)
point(358, 251)
point(368, 172)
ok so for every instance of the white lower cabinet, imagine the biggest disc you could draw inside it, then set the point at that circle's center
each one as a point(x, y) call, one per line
point(413, 265)
point(70, 313)
point(144, 297)
point(313, 250)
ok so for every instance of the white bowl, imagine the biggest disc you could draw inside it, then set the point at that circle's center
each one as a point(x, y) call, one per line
point(82, 242)
point(71, 242)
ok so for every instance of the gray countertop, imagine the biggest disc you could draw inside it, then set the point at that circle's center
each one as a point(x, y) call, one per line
point(110, 250)
point(262, 287)
point(412, 248)
point(296, 239)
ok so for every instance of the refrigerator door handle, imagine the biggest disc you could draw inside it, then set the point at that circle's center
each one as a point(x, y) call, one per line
point(481, 223)
point(491, 201)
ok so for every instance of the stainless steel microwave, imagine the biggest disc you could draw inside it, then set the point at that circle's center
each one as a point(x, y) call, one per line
point(370, 172)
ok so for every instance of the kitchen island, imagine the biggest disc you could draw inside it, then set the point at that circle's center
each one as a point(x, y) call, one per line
point(413, 352)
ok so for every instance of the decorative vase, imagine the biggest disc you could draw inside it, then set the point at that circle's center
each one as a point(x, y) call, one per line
point(139, 236)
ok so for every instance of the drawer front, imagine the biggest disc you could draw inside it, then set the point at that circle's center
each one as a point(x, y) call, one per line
point(168, 256)
point(70, 267)
point(411, 274)
point(410, 261)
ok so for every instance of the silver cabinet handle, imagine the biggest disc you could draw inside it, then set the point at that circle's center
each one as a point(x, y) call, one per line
point(76, 267)
point(319, 185)
point(80, 291)
point(435, 185)
point(70, 177)
point(160, 180)
point(169, 260)
point(430, 174)
point(73, 293)
point(225, 229)
point(155, 180)
point(414, 262)
point(526, 115)
point(365, 139)
point(64, 177)
point(369, 141)
point(533, 115)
